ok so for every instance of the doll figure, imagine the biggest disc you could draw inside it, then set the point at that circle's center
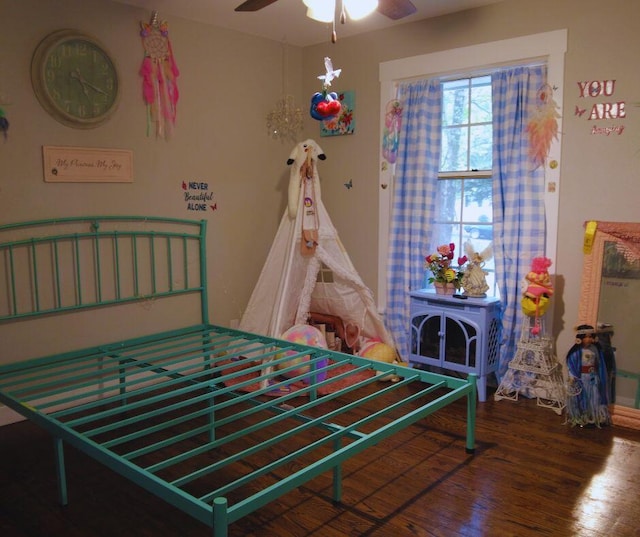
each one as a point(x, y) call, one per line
point(538, 290)
point(588, 400)
point(474, 279)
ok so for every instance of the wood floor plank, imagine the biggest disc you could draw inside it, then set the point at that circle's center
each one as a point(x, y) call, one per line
point(531, 475)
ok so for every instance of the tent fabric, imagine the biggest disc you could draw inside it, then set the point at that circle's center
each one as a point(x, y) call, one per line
point(292, 285)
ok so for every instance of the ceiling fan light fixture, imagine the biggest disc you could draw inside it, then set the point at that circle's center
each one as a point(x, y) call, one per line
point(358, 9)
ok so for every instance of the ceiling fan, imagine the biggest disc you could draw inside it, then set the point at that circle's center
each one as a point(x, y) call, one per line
point(393, 9)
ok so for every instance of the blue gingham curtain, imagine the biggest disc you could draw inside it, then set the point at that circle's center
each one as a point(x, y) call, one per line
point(413, 201)
point(518, 196)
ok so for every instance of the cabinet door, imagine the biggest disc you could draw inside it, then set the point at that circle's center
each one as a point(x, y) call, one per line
point(462, 344)
point(426, 341)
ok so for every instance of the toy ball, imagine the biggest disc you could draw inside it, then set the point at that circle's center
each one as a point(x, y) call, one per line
point(303, 334)
point(376, 350)
point(381, 352)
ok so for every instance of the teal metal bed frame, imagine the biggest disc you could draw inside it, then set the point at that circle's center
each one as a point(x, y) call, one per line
point(185, 413)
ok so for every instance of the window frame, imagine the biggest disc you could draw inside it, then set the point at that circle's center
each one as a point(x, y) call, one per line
point(548, 46)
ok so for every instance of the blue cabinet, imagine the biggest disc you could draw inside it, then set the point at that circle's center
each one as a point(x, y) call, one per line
point(460, 335)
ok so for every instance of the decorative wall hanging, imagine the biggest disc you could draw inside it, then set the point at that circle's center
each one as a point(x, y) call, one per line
point(197, 197)
point(87, 165)
point(601, 111)
point(159, 72)
point(284, 122)
point(325, 105)
point(344, 122)
point(391, 132)
point(543, 127)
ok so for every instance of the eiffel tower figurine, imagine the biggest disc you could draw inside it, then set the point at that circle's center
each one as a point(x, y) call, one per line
point(535, 370)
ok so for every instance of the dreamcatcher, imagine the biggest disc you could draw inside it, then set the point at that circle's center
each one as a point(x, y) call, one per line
point(159, 72)
point(543, 126)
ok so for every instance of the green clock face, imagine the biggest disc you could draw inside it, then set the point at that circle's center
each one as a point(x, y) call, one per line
point(74, 79)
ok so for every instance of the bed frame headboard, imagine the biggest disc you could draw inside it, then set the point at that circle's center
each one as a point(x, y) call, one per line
point(68, 264)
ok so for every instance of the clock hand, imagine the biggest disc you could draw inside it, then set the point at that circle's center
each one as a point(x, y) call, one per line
point(85, 85)
point(77, 76)
point(95, 88)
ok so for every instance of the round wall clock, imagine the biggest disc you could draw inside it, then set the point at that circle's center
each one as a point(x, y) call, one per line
point(75, 79)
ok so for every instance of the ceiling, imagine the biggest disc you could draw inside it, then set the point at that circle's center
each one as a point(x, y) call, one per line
point(286, 20)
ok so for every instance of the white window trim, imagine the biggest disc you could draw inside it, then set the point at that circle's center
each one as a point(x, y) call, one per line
point(550, 46)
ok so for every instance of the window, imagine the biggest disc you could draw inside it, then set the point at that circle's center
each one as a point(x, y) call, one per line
point(550, 46)
point(465, 179)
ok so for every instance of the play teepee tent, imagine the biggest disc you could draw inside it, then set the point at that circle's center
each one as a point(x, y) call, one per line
point(308, 270)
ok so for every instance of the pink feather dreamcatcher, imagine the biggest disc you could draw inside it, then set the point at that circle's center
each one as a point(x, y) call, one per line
point(159, 73)
point(543, 126)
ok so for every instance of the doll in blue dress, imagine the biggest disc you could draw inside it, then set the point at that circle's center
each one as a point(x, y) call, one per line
point(588, 400)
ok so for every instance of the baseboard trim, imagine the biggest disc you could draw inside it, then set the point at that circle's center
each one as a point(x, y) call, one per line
point(624, 416)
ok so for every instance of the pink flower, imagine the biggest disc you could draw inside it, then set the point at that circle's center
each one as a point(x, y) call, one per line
point(444, 250)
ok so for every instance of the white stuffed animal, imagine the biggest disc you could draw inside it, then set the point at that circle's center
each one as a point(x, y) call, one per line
point(303, 159)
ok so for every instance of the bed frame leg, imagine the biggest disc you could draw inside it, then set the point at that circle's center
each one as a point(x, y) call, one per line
point(472, 399)
point(337, 475)
point(220, 518)
point(61, 473)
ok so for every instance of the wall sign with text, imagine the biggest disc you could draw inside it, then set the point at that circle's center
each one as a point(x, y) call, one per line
point(87, 165)
point(597, 103)
point(197, 197)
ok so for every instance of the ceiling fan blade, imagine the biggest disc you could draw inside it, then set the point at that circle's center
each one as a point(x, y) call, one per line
point(396, 9)
point(254, 5)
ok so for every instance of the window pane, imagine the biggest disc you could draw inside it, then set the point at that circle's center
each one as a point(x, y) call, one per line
point(449, 204)
point(455, 142)
point(478, 196)
point(455, 102)
point(481, 147)
point(477, 215)
point(478, 232)
point(446, 234)
point(480, 111)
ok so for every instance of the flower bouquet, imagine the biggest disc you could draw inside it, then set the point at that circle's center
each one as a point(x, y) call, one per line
point(445, 278)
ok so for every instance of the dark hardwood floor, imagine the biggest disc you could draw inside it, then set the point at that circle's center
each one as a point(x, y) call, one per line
point(531, 475)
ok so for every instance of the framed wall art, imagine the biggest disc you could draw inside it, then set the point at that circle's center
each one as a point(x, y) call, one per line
point(344, 122)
